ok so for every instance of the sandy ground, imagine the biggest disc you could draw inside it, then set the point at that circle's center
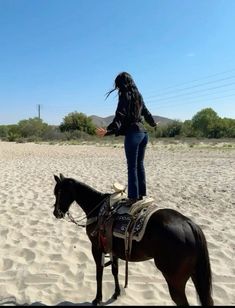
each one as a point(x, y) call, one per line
point(46, 261)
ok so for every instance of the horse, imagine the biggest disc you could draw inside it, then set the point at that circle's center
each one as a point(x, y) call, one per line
point(177, 244)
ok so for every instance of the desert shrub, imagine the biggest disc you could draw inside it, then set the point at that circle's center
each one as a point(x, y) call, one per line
point(77, 121)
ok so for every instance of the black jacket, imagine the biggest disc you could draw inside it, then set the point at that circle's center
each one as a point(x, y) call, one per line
point(124, 122)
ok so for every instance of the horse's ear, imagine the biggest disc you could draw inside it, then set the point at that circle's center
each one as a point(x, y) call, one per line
point(61, 176)
point(57, 179)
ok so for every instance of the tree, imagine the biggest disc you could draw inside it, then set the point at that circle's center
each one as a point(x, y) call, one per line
point(228, 127)
point(174, 128)
point(3, 131)
point(187, 129)
point(77, 121)
point(32, 127)
point(9, 132)
point(205, 121)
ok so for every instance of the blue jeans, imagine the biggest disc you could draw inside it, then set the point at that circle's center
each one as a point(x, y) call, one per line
point(135, 144)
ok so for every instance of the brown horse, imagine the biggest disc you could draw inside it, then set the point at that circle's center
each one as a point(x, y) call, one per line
point(177, 245)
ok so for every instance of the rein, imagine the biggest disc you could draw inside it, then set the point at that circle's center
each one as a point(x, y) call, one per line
point(89, 220)
point(71, 219)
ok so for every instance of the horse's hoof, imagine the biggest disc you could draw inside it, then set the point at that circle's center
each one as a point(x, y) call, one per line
point(96, 302)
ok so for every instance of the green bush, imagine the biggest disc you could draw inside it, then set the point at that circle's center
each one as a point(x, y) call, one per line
point(77, 121)
point(32, 127)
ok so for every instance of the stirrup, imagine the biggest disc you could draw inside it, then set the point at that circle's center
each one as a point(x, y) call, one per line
point(104, 264)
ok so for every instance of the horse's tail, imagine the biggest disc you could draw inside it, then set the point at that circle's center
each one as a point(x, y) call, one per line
point(202, 277)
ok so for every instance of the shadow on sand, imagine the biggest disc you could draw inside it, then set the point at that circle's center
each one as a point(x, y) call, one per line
point(12, 302)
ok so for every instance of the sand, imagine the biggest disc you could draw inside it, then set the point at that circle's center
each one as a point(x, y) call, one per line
point(46, 261)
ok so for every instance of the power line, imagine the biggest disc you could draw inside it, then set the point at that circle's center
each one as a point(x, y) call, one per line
point(197, 97)
point(198, 85)
point(167, 99)
point(196, 80)
point(190, 93)
point(193, 102)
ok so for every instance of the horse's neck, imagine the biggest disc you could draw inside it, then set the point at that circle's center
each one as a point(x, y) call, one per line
point(88, 198)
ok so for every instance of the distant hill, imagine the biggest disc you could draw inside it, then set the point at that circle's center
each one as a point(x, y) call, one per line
point(99, 121)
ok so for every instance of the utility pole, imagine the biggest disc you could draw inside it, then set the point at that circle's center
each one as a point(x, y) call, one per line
point(39, 111)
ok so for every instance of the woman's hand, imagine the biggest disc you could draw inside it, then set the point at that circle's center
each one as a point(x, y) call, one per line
point(100, 131)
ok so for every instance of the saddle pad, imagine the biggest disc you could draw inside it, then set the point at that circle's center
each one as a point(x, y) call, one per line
point(121, 207)
point(136, 207)
point(122, 222)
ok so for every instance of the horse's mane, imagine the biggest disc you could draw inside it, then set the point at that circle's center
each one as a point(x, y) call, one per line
point(87, 187)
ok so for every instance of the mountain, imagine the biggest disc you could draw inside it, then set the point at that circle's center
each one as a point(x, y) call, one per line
point(103, 122)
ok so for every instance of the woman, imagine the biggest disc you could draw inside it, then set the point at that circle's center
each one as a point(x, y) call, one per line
point(128, 122)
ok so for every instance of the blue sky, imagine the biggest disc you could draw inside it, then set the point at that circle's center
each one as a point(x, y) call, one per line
point(65, 55)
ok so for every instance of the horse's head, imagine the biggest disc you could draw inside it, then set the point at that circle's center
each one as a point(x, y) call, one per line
point(64, 195)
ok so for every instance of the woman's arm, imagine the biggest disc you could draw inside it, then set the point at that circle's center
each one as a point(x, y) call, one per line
point(148, 116)
point(115, 125)
point(100, 131)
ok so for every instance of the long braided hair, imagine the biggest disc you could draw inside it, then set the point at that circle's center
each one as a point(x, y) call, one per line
point(126, 87)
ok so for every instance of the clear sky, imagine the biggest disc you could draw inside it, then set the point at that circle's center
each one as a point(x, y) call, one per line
point(65, 54)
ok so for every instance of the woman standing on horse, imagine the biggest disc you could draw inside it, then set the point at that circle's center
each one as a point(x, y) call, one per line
point(128, 122)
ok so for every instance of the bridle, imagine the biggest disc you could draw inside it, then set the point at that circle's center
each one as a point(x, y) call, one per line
point(58, 210)
point(85, 216)
point(62, 214)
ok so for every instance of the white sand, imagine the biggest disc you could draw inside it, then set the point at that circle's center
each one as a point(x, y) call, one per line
point(48, 261)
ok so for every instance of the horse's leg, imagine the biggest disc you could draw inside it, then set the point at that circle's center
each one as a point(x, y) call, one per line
point(97, 255)
point(176, 282)
point(115, 275)
point(177, 292)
